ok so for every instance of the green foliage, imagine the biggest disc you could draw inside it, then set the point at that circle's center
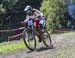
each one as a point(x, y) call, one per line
point(8, 47)
point(13, 9)
point(54, 11)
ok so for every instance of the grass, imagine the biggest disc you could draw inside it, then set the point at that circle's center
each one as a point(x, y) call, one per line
point(69, 32)
point(7, 47)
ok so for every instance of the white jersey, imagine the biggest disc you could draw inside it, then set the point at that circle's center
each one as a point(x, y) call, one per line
point(38, 13)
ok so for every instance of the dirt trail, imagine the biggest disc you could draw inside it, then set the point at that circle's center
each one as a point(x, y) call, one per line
point(64, 48)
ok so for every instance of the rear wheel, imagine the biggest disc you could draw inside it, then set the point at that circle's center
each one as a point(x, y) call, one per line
point(47, 39)
point(29, 39)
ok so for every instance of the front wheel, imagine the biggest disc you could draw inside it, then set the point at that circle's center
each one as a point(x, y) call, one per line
point(47, 39)
point(29, 40)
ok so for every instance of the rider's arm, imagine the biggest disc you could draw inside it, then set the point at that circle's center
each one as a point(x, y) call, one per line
point(27, 18)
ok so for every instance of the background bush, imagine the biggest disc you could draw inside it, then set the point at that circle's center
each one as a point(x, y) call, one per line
point(55, 12)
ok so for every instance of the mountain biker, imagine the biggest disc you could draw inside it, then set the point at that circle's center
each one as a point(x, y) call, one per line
point(36, 15)
point(39, 20)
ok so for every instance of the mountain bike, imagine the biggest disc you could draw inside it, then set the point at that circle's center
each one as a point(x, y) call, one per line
point(29, 37)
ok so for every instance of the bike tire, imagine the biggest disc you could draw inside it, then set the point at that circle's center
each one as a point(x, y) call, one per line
point(25, 42)
point(47, 44)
